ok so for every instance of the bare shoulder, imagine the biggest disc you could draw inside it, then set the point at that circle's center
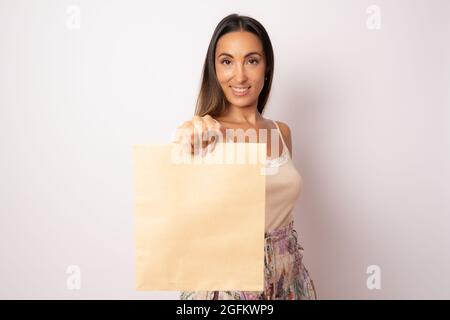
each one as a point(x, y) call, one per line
point(286, 132)
point(284, 128)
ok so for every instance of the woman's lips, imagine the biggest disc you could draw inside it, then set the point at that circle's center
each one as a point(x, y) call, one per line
point(240, 91)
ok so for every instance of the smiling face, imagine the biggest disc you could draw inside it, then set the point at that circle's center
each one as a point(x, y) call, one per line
point(240, 67)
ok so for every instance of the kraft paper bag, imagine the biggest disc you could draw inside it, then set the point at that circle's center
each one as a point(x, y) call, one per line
point(199, 222)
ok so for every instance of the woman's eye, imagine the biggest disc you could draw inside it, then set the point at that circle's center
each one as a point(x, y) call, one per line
point(227, 62)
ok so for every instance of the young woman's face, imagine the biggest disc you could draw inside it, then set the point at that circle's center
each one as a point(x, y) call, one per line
point(240, 67)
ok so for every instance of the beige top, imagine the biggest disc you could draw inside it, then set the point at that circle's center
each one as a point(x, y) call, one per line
point(283, 187)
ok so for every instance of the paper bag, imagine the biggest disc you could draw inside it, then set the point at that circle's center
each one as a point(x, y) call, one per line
point(199, 223)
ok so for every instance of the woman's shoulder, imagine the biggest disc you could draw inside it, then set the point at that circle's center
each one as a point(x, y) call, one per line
point(285, 132)
point(284, 127)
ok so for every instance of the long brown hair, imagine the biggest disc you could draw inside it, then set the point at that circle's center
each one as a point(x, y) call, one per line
point(211, 99)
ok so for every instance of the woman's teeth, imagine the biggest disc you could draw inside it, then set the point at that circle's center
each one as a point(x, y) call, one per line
point(240, 91)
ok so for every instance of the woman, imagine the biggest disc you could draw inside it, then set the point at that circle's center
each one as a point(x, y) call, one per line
point(237, 78)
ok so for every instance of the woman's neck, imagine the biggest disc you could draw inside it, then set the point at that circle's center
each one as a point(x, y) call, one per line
point(246, 116)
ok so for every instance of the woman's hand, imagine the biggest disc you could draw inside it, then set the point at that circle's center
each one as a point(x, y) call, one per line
point(199, 135)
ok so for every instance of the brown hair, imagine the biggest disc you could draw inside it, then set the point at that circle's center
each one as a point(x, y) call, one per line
point(211, 99)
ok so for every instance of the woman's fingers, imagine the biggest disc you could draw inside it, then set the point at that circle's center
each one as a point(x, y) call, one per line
point(184, 136)
point(199, 135)
point(212, 135)
point(199, 129)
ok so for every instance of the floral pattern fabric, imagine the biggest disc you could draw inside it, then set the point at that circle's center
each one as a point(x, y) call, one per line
point(285, 276)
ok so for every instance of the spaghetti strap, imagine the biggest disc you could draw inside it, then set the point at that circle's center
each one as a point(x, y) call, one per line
point(282, 139)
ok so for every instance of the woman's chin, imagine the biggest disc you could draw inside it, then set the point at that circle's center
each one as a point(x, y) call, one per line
point(242, 102)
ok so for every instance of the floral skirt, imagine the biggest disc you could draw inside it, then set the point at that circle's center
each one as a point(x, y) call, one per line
point(285, 276)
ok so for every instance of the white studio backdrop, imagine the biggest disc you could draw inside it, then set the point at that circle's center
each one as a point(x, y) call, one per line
point(363, 85)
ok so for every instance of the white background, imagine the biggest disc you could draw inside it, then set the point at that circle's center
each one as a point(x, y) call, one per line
point(368, 110)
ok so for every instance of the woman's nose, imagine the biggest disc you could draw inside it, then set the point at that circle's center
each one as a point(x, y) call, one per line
point(240, 74)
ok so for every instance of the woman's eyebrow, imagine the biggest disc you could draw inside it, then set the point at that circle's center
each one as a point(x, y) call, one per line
point(248, 54)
